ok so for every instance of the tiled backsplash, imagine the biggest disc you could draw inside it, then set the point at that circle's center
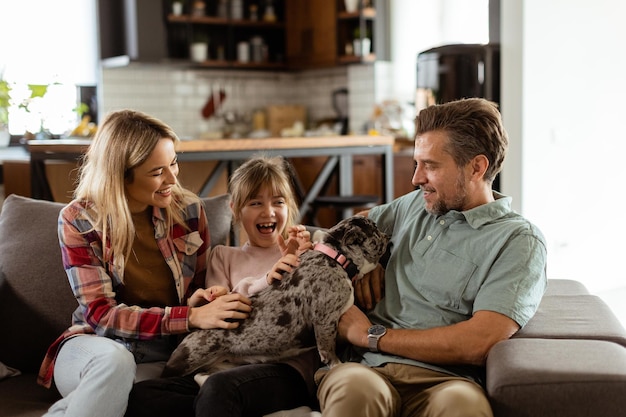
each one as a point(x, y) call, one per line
point(177, 95)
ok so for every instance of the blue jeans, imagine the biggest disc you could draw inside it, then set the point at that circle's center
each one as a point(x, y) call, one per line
point(244, 391)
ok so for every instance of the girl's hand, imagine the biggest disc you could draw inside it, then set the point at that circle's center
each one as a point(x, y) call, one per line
point(285, 264)
point(223, 313)
point(216, 291)
point(203, 296)
point(298, 240)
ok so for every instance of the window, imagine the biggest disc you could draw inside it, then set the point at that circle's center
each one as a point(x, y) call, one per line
point(49, 44)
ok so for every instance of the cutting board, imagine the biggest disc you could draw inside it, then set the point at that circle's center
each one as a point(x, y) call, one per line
point(284, 116)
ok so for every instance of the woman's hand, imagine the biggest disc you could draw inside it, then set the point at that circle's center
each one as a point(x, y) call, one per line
point(370, 289)
point(285, 264)
point(223, 313)
point(203, 296)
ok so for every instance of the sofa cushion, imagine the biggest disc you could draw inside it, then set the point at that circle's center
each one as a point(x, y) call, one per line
point(565, 287)
point(574, 317)
point(36, 302)
point(557, 378)
point(219, 217)
point(21, 396)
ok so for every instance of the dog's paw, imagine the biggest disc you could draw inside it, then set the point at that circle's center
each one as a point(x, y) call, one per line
point(200, 378)
point(333, 363)
point(329, 358)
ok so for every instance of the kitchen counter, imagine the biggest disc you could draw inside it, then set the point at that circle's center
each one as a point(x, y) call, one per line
point(228, 154)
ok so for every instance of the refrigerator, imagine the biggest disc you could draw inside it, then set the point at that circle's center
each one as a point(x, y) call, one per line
point(451, 72)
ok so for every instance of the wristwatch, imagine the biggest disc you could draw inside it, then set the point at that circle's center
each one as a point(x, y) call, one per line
point(374, 334)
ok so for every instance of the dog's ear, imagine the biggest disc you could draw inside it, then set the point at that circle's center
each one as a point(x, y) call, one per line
point(353, 236)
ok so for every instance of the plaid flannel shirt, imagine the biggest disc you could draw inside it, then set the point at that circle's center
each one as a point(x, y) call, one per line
point(94, 281)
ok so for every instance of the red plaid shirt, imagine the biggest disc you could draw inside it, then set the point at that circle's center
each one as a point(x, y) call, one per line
point(94, 281)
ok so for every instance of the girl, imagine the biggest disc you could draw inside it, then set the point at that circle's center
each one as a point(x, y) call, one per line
point(263, 203)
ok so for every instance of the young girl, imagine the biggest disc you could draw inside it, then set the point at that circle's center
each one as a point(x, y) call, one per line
point(263, 203)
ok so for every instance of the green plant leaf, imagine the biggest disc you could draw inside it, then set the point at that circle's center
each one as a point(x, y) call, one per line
point(37, 90)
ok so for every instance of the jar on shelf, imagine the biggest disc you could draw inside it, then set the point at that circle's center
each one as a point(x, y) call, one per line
point(236, 9)
point(222, 9)
point(198, 8)
point(256, 44)
point(270, 14)
point(254, 12)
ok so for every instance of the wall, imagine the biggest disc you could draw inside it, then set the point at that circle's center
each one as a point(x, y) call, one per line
point(418, 25)
point(177, 95)
point(567, 88)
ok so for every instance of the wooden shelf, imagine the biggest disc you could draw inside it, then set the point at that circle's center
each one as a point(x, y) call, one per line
point(214, 63)
point(367, 13)
point(354, 59)
point(213, 20)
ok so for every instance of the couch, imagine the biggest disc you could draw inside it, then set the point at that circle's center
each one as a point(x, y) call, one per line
point(570, 360)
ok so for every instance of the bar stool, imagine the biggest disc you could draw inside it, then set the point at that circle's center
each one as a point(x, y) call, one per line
point(340, 203)
point(337, 202)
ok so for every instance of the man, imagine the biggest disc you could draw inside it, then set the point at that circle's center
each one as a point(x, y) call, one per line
point(465, 272)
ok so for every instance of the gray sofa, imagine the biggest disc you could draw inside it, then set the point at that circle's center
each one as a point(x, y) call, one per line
point(570, 360)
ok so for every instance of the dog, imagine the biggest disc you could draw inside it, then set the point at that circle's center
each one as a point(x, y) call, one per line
point(295, 314)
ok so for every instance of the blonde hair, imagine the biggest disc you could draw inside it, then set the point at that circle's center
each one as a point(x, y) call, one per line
point(263, 171)
point(124, 140)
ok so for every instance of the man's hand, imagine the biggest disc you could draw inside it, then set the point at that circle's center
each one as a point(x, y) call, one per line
point(370, 289)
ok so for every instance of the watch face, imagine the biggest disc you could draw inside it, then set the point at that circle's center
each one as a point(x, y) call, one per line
point(376, 330)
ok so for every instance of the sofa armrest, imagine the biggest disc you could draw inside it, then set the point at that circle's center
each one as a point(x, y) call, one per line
point(574, 317)
point(556, 378)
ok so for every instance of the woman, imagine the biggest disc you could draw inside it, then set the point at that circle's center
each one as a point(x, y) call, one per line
point(134, 245)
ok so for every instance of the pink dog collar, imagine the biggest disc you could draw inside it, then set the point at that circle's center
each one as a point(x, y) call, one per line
point(345, 263)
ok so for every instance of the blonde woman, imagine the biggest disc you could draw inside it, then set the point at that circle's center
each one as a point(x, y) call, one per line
point(134, 246)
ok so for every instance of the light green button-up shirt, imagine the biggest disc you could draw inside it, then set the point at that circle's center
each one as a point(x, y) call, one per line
point(443, 269)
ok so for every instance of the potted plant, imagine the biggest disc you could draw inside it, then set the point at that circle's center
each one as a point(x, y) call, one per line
point(362, 45)
point(199, 48)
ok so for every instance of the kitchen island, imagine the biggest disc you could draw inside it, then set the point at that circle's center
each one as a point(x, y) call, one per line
point(227, 154)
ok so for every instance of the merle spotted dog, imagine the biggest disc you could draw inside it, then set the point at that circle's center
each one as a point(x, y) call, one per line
point(295, 314)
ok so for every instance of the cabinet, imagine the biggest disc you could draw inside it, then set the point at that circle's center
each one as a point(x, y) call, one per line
point(362, 35)
point(301, 34)
point(311, 33)
point(237, 34)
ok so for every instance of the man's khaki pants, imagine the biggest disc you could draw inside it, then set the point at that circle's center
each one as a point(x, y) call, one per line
point(398, 390)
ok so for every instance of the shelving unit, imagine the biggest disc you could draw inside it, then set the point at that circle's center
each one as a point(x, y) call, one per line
point(223, 34)
point(369, 22)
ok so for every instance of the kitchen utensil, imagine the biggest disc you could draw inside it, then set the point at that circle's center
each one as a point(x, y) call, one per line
point(213, 103)
point(340, 104)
